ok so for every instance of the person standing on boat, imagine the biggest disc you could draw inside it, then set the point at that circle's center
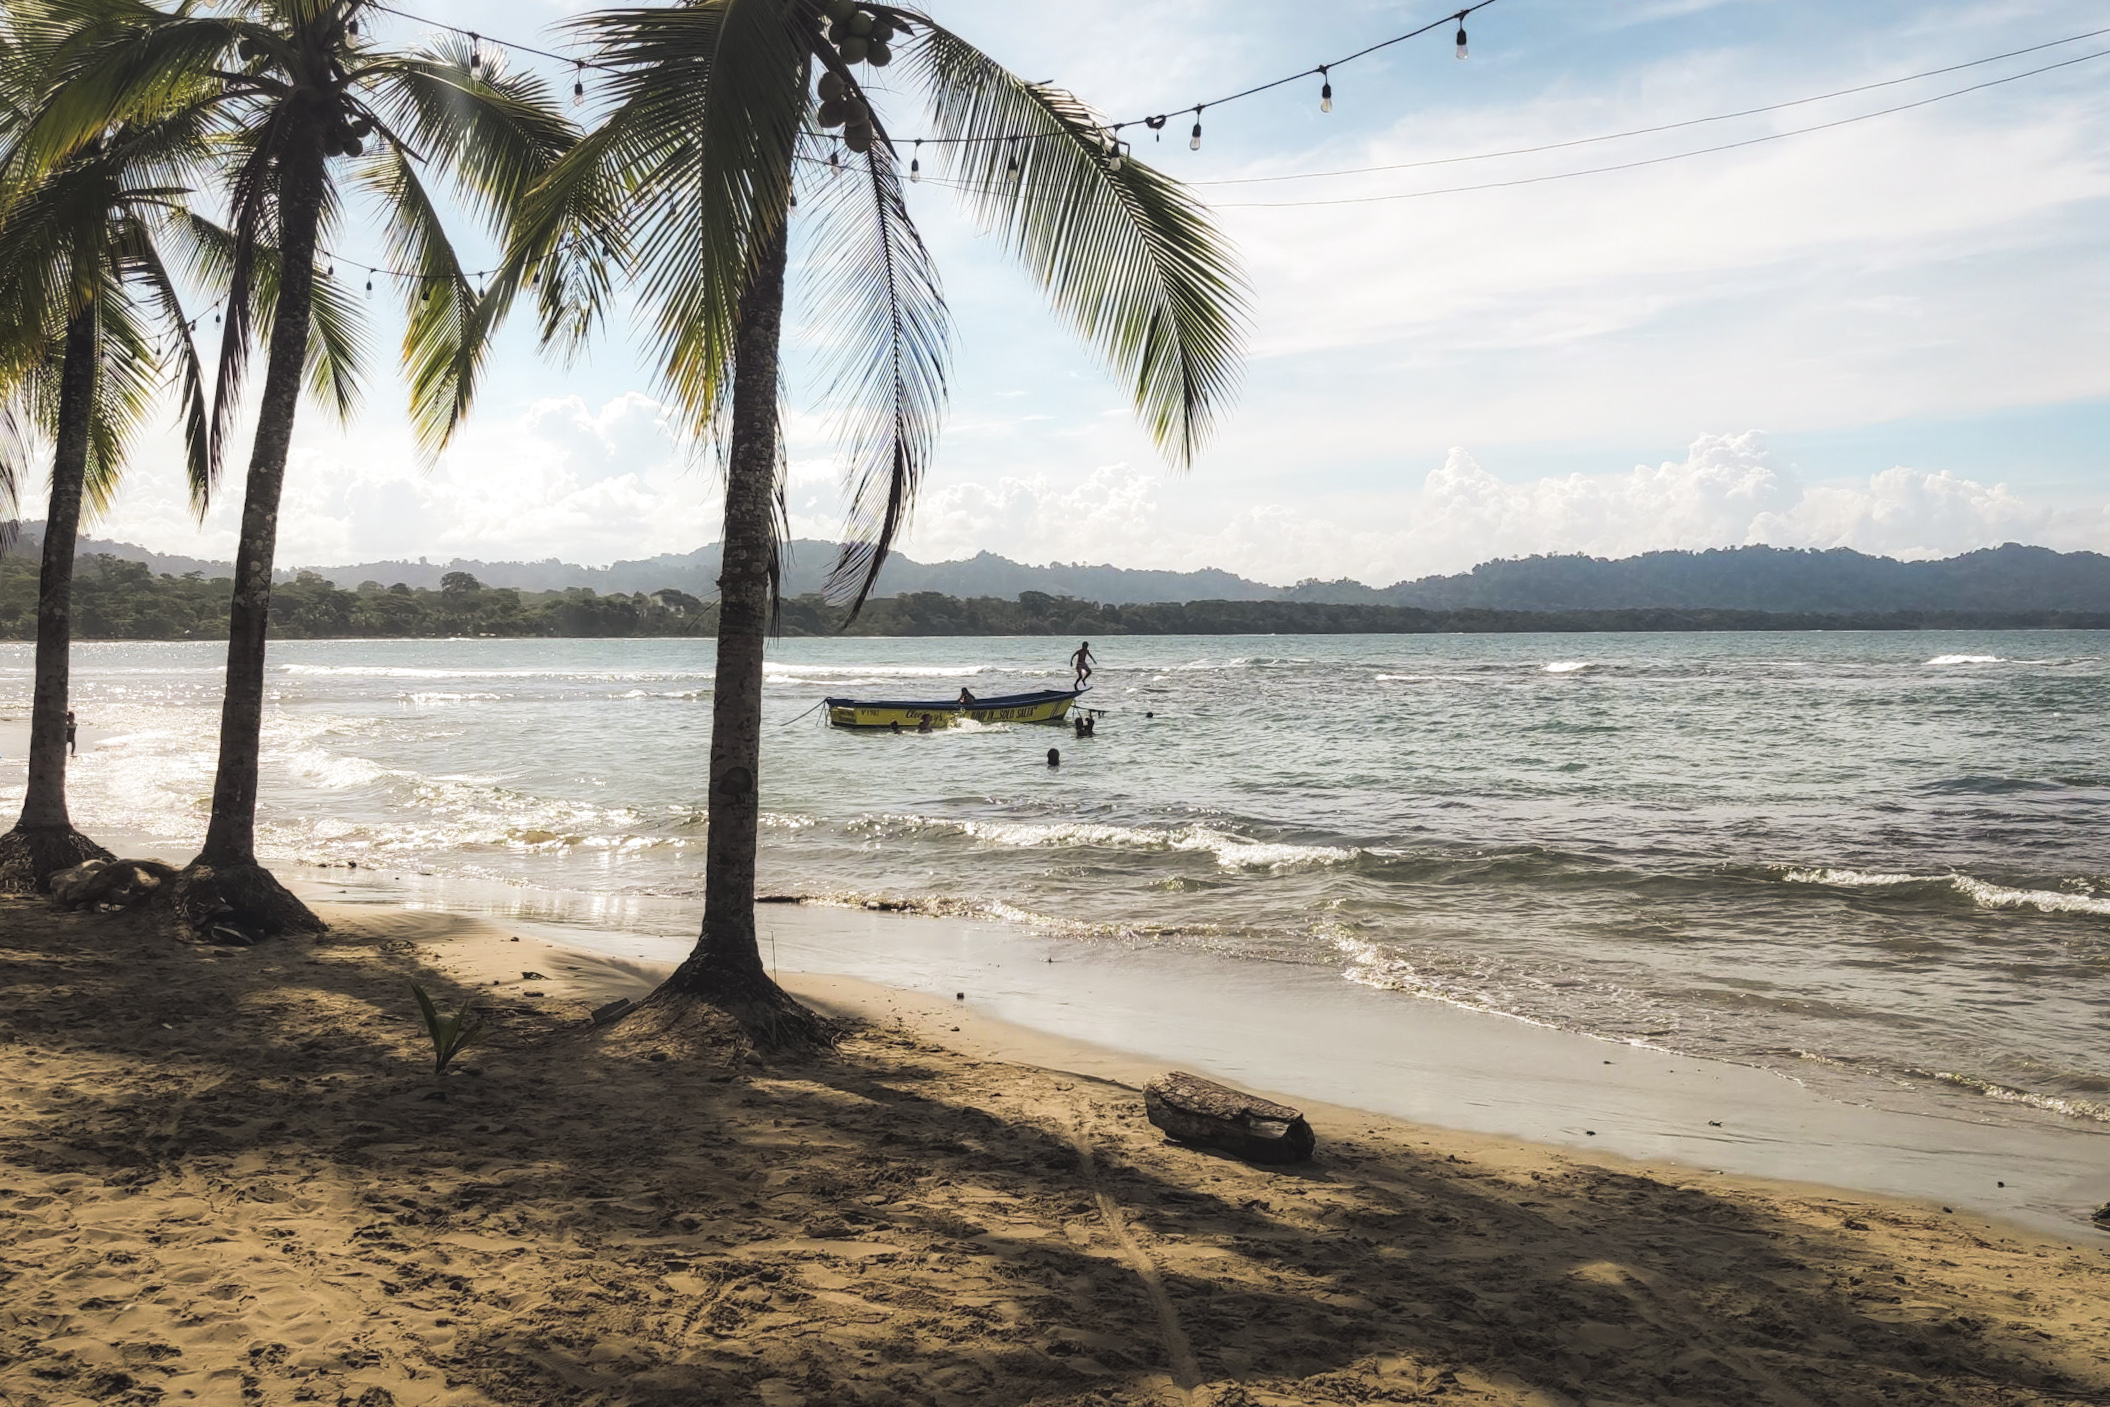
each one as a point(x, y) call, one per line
point(1082, 662)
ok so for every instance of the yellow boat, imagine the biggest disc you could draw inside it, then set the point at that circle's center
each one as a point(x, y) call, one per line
point(1047, 706)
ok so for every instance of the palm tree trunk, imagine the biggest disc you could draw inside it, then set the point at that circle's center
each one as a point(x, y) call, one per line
point(240, 889)
point(44, 840)
point(726, 966)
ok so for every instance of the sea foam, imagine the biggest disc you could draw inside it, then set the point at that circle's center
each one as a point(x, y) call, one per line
point(1978, 891)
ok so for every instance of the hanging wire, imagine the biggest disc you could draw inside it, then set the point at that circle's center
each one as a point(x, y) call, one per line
point(1661, 127)
point(1674, 156)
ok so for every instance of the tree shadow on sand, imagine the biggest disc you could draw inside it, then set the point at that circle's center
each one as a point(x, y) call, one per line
point(238, 1164)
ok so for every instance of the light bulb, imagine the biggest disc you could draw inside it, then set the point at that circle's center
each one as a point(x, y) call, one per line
point(1461, 39)
point(915, 169)
point(1120, 148)
point(1325, 90)
point(1194, 142)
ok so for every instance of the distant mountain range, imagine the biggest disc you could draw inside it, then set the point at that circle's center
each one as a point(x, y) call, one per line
point(2008, 578)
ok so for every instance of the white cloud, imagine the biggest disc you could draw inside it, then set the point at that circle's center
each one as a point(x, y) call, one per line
point(560, 479)
point(1726, 492)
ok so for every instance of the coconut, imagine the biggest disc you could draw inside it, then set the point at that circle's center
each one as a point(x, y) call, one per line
point(832, 113)
point(831, 85)
point(861, 24)
point(838, 32)
point(839, 9)
point(858, 138)
point(879, 55)
point(882, 29)
point(854, 50)
point(855, 111)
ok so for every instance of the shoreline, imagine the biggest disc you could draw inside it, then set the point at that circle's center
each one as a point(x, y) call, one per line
point(1127, 1015)
point(1391, 1054)
point(231, 1172)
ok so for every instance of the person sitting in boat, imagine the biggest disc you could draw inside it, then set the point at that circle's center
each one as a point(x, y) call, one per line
point(923, 726)
point(966, 698)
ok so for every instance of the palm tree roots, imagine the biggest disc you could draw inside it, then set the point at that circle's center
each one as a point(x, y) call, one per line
point(31, 855)
point(771, 1019)
point(240, 904)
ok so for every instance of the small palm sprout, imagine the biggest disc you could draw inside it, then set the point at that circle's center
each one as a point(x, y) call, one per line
point(451, 1035)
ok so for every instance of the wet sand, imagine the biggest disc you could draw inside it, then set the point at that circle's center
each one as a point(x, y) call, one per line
point(1304, 1033)
point(230, 1176)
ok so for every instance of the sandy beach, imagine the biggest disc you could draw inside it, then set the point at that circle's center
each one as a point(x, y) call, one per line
point(229, 1175)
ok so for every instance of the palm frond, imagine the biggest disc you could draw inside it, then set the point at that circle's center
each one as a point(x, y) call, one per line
point(18, 452)
point(254, 229)
point(114, 61)
point(1127, 255)
point(708, 104)
point(336, 317)
point(495, 134)
point(167, 305)
point(565, 241)
point(875, 294)
point(127, 384)
point(444, 338)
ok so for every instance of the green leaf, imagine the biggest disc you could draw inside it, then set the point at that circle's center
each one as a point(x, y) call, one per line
point(1127, 255)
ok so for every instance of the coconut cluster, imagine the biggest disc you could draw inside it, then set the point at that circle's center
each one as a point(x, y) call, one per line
point(843, 106)
point(860, 35)
point(345, 137)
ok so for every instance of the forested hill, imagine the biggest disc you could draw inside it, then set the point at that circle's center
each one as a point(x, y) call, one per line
point(2009, 578)
point(806, 568)
point(120, 600)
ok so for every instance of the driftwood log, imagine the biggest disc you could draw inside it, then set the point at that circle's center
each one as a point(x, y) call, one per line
point(1195, 1110)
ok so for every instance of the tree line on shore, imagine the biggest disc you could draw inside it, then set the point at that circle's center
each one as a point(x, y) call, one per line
point(120, 600)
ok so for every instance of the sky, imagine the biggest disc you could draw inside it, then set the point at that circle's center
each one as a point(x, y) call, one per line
point(1886, 335)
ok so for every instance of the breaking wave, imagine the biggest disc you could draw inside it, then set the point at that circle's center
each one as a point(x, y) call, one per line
point(2072, 1106)
point(1232, 852)
point(1978, 891)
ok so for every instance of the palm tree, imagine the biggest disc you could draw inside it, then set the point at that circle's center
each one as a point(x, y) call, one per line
point(690, 181)
point(310, 107)
point(84, 290)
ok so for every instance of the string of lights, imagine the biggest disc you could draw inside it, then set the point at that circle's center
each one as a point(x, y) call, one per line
point(1661, 127)
point(1661, 160)
point(374, 271)
point(1155, 122)
point(213, 307)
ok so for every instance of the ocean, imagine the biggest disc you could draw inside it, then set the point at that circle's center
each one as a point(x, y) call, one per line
point(1857, 858)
